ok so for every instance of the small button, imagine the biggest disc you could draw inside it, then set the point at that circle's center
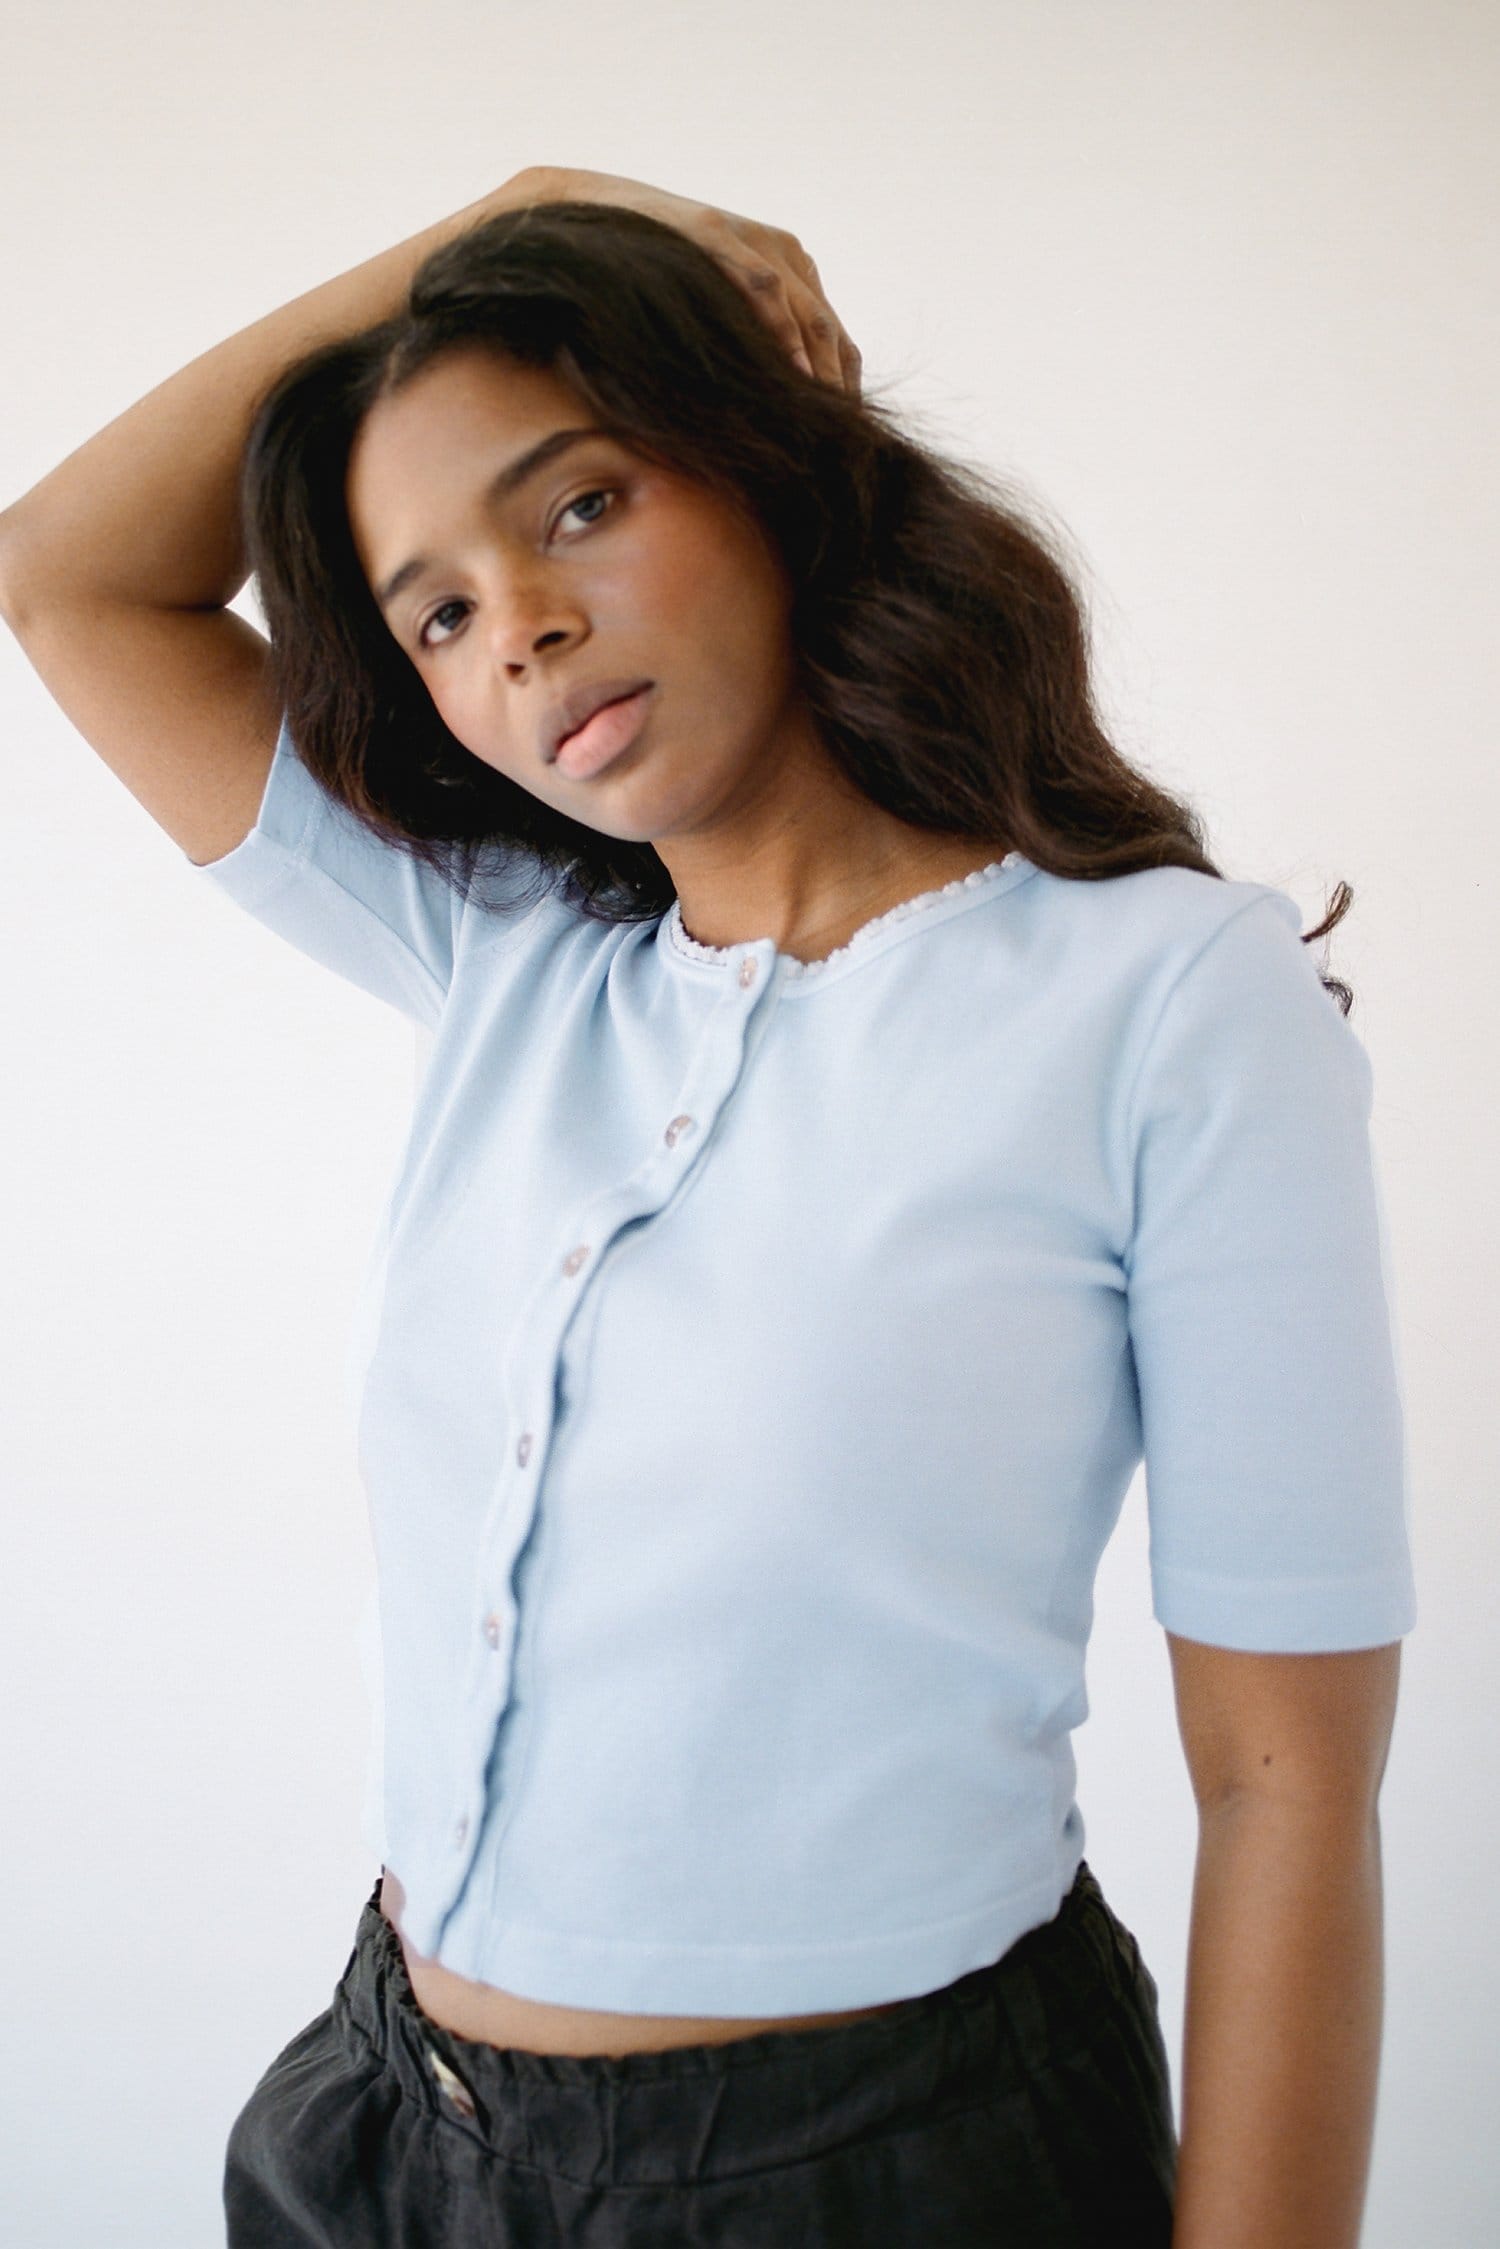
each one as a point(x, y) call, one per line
point(452, 2084)
point(748, 968)
point(677, 1128)
point(492, 1630)
point(523, 1449)
point(461, 1831)
point(575, 1258)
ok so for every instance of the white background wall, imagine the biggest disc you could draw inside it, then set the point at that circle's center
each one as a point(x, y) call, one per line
point(1217, 282)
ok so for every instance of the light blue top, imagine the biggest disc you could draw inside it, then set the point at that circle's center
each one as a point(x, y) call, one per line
point(751, 1366)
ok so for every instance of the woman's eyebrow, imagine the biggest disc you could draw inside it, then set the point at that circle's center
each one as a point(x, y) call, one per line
point(501, 486)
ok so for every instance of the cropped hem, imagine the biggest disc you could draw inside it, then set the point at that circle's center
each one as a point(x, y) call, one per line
point(621, 1975)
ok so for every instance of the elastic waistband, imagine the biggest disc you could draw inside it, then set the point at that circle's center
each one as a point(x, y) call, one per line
point(771, 2098)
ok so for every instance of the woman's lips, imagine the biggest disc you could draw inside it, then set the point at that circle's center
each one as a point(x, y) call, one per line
point(613, 727)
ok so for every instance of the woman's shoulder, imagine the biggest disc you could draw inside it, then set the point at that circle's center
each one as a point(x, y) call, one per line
point(1158, 918)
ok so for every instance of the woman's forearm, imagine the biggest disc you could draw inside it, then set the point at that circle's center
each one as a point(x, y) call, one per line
point(1281, 2046)
point(147, 511)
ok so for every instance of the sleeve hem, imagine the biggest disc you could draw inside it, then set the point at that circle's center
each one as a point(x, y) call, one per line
point(1286, 1616)
point(254, 868)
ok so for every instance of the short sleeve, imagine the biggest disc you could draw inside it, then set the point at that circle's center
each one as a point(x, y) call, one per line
point(1261, 1309)
point(365, 909)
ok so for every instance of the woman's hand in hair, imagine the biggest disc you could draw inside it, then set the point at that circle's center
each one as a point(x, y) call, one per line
point(770, 265)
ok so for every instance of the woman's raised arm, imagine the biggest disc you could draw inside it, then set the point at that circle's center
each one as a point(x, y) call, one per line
point(116, 570)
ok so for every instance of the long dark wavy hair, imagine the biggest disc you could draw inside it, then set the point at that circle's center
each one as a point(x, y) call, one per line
point(939, 637)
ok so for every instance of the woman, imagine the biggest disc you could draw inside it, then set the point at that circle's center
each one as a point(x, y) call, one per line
point(861, 1125)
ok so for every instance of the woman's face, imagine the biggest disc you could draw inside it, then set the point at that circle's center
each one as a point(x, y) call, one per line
point(598, 566)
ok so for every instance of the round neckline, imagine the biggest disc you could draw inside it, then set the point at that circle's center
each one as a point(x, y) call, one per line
point(723, 956)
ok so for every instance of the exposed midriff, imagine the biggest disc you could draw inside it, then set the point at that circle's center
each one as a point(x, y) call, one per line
point(500, 2018)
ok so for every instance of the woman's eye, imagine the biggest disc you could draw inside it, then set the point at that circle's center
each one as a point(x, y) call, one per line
point(432, 620)
point(581, 501)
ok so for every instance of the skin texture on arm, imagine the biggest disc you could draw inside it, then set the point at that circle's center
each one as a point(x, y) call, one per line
point(1285, 1988)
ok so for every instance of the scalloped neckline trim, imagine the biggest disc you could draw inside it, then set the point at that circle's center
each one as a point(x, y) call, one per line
point(719, 956)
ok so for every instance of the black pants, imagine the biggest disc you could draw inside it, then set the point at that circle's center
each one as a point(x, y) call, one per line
point(1027, 2103)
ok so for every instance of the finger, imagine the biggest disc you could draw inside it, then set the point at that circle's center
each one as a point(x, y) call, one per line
point(768, 287)
point(834, 351)
point(835, 355)
point(838, 354)
point(807, 327)
point(764, 261)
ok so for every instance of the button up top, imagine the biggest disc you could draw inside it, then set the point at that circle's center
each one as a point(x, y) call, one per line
point(751, 1365)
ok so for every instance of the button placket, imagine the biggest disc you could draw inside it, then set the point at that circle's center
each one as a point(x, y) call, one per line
point(677, 1130)
point(492, 1627)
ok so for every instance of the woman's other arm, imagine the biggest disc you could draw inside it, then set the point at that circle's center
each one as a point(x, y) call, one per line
point(1281, 2042)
